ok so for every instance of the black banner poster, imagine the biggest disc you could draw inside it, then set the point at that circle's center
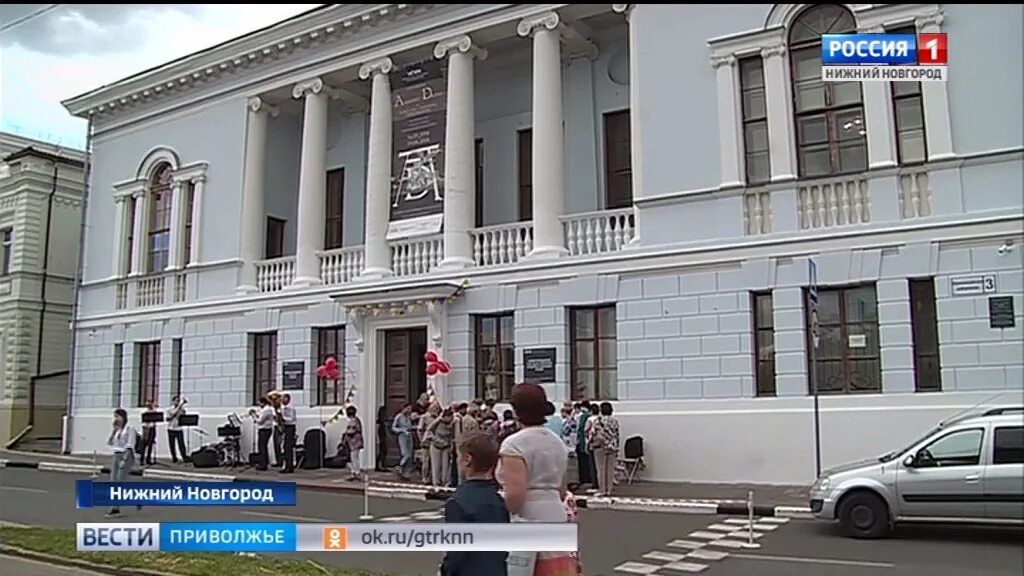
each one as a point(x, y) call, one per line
point(293, 375)
point(539, 365)
point(419, 114)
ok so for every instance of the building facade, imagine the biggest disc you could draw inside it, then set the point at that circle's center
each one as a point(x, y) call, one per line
point(40, 219)
point(617, 201)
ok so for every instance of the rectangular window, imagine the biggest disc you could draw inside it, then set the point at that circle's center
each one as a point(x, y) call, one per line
point(593, 353)
point(130, 248)
point(618, 160)
point(159, 228)
point(275, 238)
point(478, 158)
point(524, 158)
point(331, 342)
point(495, 356)
point(334, 215)
point(1008, 445)
point(848, 357)
point(755, 120)
point(6, 250)
point(764, 344)
point(190, 205)
point(925, 326)
point(908, 112)
point(176, 367)
point(264, 364)
point(115, 396)
point(148, 354)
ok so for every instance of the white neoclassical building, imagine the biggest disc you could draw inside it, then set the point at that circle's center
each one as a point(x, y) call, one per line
point(617, 201)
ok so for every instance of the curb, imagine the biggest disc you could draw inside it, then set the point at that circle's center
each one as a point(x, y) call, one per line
point(398, 491)
point(79, 564)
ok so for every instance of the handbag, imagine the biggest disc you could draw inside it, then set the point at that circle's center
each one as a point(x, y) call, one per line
point(521, 563)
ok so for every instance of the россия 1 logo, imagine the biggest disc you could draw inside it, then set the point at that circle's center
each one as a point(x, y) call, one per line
point(883, 57)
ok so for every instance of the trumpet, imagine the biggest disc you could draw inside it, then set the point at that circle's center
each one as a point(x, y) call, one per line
point(253, 413)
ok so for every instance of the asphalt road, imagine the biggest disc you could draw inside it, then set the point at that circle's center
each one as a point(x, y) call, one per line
point(611, 542)
point(22, 567)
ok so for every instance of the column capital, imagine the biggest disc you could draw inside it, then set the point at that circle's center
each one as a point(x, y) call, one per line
point(777, 50)
point(138, 193)
point(719, 61)
point(459, 44)
point(373, 67)
point(546, 21)
point(930, 23)
point(622, 8)
point(306, 87)
point(257, 104)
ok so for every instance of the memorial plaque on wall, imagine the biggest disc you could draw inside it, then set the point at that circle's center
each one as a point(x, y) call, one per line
point(1000, 312)
point(418, 116)
point(293, 375)
point(539, 365)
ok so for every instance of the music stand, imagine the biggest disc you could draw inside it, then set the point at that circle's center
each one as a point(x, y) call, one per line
point(188, 421)
point(152, 417)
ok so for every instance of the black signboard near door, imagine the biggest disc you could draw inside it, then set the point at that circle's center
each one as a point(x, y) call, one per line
point(539, 365)
point(293, 375)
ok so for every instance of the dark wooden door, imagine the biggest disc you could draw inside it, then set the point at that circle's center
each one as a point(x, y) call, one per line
point(404, 376)
point(335, 209)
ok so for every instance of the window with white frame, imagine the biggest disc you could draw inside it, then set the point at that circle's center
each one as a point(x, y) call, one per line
point(159, 244)
point(908, 114)
point(6, 250)
point(755, 120)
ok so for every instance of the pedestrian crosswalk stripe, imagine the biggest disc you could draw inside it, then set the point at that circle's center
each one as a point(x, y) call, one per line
point(736, 521)
point(707, 554)
point(744, 534)
point(637, 568)
point(664, 556)
point(685, 544)
point(765, 527)
point(773, 520)
point(396, 519)
point(722, 527)
point(686, 567)
point(727, 543)
point(704, 535)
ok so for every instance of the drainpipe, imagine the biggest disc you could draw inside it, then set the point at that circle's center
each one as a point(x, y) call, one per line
point(75, 298)
point(42, 296)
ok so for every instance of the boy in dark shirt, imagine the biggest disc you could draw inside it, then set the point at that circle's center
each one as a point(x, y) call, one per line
point(476, 501)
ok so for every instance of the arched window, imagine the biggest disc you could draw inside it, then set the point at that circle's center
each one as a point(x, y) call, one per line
point(159, 244)
point(830, 125)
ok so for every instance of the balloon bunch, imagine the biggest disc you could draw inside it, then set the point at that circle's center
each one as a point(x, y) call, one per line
point(435, 367)
point(329, 370)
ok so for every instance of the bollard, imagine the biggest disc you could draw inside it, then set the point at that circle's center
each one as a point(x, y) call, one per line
point(750, 522)
point(366, 517)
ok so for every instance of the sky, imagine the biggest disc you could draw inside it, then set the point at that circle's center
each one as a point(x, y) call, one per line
point(51, 52)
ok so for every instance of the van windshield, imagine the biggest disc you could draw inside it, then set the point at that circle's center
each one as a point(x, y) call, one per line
point(889, 457)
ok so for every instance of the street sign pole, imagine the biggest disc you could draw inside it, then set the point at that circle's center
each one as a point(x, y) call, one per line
point(812, 293)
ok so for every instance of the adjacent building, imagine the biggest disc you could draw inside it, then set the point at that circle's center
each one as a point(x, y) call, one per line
point(621, 202)
point(41, 187)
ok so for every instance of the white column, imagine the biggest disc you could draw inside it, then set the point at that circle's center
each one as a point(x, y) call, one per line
point(878, 118)
point(459, 148)
point(121, 223)
point(378, 170)
point(312, 182)
point(175, 252)
point(935, 100)
point(548, 135)
point(139, 230)
point(728, 120)
point(635, 125)
point(253, 227)
point(198, 184)
point(781, 149)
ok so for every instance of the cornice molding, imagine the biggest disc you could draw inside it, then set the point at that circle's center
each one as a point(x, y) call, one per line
point(546, 21)
point(234, 57)
point(719, 61)
point(379, 66)
point(190, 173)
point(461, 44)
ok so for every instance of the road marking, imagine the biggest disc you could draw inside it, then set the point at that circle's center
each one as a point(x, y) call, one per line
point(765, 527)
point(432, 515)
point(707, 554)
point(664, 556)
point(727, 543)
point(827, 561)
point(745, 534)
point(20, 489)
point(736, 521)
point(722, 527)
point(687, 544)
point(285, 516)
point(396, 519)
point(637, 568)
point(703, 535)
point(773, 520)
point(686, 567)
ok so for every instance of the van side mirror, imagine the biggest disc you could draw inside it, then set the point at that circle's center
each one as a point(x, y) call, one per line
point(910, 461)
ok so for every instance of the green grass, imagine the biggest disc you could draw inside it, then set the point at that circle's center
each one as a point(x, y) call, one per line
point(61, 542)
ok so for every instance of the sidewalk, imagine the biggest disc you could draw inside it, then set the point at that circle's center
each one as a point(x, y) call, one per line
point(645, 496)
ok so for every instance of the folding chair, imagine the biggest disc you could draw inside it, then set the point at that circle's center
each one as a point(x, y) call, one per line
point(632, 461)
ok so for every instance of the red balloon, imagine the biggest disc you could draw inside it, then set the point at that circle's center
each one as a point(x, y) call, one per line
point(333, 374)
point(331, 361)
point(432, 369)
point(321, 372)
point(430, 356)
point(444, 368)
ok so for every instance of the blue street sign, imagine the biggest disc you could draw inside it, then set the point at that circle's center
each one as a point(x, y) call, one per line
point(812, 271)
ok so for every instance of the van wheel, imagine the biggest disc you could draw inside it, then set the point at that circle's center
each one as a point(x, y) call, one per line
point(865, 515)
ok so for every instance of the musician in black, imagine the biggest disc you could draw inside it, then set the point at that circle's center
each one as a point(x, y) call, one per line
point(175, 435)
point(265, 429)
point(278, 434)
point(288, 430)
point(148, 439)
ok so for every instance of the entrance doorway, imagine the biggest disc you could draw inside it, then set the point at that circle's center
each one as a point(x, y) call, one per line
point(405, 376)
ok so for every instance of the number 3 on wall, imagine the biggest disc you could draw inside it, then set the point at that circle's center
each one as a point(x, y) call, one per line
point(989, 283)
